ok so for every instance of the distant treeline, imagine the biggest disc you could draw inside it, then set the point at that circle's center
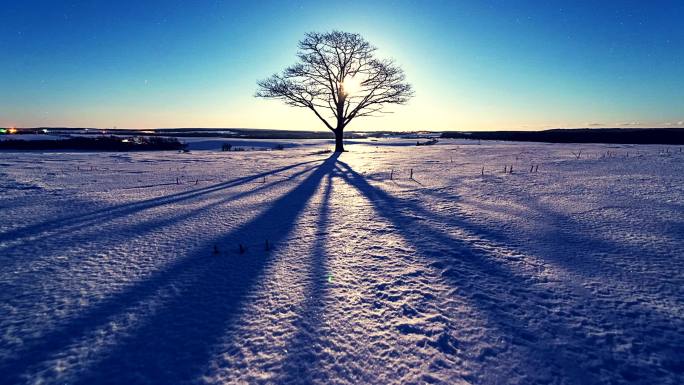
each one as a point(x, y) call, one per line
point(238, 133)
point(244, 133)
point(100, 143)
point(581, 135)
point(241, 133)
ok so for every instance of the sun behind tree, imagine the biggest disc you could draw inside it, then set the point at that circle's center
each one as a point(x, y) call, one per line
point(338, 77)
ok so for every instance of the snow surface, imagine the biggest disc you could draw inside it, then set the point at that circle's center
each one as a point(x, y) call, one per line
point(569, 275)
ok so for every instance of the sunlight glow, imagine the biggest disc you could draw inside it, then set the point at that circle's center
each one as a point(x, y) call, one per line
point(351, 85)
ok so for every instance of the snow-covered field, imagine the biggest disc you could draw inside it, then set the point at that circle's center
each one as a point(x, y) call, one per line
point(125, 268)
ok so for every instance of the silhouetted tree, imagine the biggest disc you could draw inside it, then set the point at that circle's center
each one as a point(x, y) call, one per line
point(338, 77)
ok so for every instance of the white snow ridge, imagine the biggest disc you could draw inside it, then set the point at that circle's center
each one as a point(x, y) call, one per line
point(304, 267)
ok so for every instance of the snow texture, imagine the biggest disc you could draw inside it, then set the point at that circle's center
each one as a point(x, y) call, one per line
point(300, 266)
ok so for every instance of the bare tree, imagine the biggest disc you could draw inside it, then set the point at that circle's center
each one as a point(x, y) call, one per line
point(339, 79)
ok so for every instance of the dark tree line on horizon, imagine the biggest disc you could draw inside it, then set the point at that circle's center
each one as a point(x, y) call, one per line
point(581, 135)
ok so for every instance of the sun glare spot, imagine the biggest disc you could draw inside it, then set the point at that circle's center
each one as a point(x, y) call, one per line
point(351, 85)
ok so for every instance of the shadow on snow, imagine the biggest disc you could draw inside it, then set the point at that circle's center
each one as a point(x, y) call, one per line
point(173, 344)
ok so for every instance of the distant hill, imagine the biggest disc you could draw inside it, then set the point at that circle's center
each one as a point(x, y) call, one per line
point(247, 133)
point(559, 135)
point(581, 135)
point(94, 143)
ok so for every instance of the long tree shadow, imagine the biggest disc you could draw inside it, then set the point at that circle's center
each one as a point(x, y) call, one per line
point(73, 222)
point(305, 346)
point(68, 329)
point(514, 304)
point(173, 344)
point(126, 232)
point(556, 227)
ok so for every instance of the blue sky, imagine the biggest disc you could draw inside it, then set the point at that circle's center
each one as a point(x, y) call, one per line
point(474, 64)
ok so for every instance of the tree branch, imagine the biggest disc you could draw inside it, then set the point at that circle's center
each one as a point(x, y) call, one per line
point(326, 62)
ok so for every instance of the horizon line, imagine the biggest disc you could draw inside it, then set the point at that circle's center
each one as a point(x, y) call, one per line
point(325, 130)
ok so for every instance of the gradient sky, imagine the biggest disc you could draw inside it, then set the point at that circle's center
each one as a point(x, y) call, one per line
point(474, 64)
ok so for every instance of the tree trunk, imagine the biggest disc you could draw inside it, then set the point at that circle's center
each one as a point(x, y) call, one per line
point(339, 130)
point(339, 140)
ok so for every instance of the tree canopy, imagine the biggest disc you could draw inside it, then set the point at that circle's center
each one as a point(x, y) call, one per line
point(338, 78)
